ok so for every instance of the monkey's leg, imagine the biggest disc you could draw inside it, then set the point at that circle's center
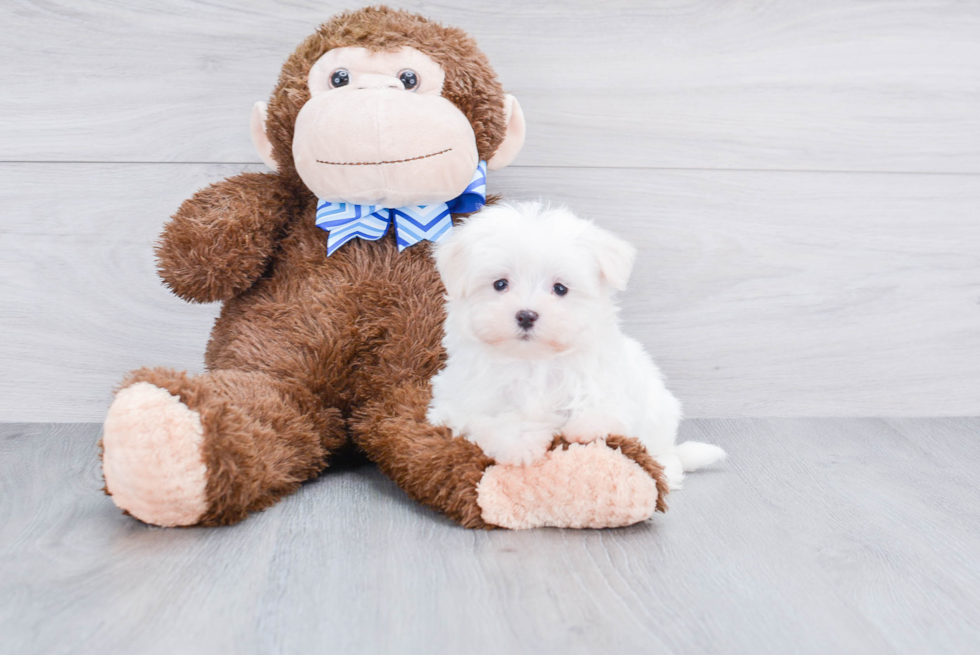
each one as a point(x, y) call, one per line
point(427, 462)
point(209, 449)
point(602, 484)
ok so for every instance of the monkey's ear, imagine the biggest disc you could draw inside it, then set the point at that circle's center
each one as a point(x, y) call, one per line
point(259, 137)
point(513, 138)
point(615, 257)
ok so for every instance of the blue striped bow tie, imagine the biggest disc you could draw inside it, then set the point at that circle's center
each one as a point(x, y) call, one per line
point(345, 221)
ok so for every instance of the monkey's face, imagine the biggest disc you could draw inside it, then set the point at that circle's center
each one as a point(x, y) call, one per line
point(377, 131)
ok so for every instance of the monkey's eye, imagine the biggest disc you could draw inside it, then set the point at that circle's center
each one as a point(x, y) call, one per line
point(409, 79)
point(339, 77)
point(500, 285)
point(560, 289)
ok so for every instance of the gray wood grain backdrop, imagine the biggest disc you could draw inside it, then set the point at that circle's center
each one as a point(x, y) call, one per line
point(802, 179)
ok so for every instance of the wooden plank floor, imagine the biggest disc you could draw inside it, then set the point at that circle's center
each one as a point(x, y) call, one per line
point(817, 536)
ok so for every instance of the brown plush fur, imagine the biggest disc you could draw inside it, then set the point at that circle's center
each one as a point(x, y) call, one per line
point(312, 353)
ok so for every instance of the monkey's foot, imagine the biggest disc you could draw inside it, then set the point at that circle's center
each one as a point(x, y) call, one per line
point(582, 486)
point(152, 459)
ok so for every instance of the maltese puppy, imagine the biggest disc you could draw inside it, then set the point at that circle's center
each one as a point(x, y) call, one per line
point(534, 344)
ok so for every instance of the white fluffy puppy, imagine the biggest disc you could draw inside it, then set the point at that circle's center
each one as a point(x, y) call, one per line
point(534, 344)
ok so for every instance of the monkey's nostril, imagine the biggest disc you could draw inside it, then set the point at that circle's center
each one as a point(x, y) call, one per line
point(526, 318)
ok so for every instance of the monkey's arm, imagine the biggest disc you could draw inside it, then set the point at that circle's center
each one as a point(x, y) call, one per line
point(220, 240)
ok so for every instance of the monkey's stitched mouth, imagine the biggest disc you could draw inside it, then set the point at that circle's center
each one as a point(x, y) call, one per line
point(378, 163)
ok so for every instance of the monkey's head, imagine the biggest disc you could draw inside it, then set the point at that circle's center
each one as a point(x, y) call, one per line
point(383, 107)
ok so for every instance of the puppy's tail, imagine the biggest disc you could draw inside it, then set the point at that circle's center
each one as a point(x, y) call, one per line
point(694, 454)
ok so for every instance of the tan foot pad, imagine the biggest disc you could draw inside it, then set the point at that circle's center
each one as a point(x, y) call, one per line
point(584, 486)
point(151, 456)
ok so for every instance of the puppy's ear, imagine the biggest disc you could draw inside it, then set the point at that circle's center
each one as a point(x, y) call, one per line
point(615, 257)
point(451, 256)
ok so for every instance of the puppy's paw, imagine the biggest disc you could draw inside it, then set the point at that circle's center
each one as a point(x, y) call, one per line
point(526, 448)
point(673, 470)
point(586, 428)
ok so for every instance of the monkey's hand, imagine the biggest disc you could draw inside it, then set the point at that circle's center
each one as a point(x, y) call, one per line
point(220, 240)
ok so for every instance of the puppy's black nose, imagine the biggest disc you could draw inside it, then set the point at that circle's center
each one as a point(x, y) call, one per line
point(526, 318)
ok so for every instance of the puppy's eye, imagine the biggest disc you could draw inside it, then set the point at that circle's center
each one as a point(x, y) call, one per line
point(500, 285)
point(409, 79)
point(560, 289)
point(339, 77)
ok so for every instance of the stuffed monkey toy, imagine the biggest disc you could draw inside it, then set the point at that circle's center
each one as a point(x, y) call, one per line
point(381, 128)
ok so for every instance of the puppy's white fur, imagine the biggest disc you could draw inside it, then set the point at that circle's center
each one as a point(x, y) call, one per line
point(511, 390)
